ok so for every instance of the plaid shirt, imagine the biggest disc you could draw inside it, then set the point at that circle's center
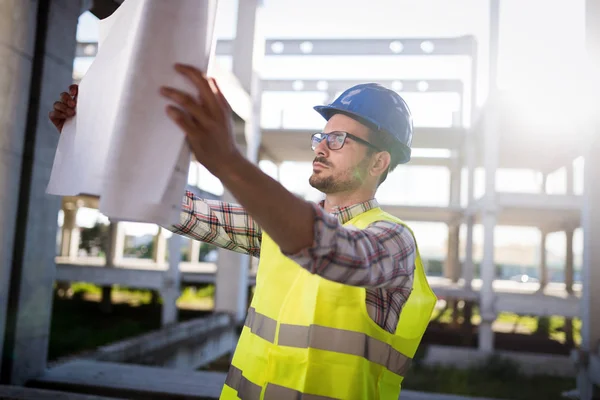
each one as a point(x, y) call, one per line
point(379, 258)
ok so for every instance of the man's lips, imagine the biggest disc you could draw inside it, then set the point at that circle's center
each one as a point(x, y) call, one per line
point(319, 165)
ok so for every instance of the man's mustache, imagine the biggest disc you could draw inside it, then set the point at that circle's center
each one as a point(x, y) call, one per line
point(322, 160)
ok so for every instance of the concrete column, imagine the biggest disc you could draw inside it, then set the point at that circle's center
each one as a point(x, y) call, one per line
point(468, 266)
point(487, 297)
point(590, 221)
point(114, 254)
point(569, 261)
point(490, 159)
point(17, 38)
point(106, 299)
point(248, 54)
point(70, 237)
point(172, 282)
point(455, 181)
point(543, 183)
point(194, 250)
point(543, 263)
point(590, 274)
point(159, 254)
point(231, 291)
point(488, 266)
point(37, 45)
point(570, 178)
point(452, 262)
point(278, 172)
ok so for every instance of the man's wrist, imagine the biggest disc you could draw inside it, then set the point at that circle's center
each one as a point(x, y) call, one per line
point(230, 170)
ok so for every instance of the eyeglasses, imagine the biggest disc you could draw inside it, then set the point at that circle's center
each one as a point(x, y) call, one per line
point(335, 140)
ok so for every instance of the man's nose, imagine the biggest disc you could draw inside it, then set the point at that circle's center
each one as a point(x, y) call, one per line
point(321, 149)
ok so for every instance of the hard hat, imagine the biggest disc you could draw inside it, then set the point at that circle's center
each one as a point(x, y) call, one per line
point(379, 108)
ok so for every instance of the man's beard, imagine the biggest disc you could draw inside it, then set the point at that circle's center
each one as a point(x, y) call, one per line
point(352, 179)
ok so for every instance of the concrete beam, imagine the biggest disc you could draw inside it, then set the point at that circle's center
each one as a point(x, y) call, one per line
point(138, 275)
point(338, 85)
point(132, 381)
point(133, 278)
point(24, 393)
point(537, 304)
point(425, 46)
point(185, 345)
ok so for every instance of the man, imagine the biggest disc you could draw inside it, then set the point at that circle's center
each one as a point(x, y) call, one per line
point(341, 299)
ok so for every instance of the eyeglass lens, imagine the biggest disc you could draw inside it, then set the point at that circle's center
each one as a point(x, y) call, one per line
point(335, 140)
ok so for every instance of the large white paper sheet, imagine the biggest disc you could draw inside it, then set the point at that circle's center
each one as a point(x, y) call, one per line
point(121, 146)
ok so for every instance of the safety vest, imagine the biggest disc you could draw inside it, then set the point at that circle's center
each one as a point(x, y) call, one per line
point(306, 337)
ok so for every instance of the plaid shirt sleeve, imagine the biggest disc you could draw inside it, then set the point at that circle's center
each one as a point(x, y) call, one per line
point(379, 256)
point(222, 224)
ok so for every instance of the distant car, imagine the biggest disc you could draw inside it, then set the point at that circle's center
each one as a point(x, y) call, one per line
point(524, 278)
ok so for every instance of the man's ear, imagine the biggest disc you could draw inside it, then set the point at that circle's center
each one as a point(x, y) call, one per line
point(380, 163)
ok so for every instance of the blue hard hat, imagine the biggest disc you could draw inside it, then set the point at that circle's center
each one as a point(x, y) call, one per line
point(379, 108)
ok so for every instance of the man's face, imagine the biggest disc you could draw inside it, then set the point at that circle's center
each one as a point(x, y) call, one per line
point(342, 170)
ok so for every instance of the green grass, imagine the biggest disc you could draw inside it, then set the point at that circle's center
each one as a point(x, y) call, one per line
point(495, 378)
point(524, 322)
point(79, 325)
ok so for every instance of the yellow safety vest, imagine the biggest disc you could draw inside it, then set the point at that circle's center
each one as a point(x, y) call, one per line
point(306, 337)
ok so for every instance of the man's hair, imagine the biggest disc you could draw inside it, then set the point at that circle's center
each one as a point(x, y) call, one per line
point(386, 142)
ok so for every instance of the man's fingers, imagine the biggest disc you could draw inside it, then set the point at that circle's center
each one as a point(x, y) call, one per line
point(200, 81)
point(220, 97)
point(74, 90)
point(67, 99)
point(57, 115)
point(182, 119)
point(186, 101)
point(60, 106)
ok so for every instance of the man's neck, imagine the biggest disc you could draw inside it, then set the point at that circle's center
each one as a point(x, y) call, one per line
point(333, 201)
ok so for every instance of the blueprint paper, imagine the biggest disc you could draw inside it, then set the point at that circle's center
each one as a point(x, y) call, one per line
point(121, 146)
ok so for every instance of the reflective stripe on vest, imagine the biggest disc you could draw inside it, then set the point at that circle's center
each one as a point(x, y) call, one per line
point(245, 388)
point(251, 391)
point(330, 339)
point(261, 325)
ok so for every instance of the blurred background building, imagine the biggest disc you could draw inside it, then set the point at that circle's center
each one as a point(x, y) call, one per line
point(501, 194)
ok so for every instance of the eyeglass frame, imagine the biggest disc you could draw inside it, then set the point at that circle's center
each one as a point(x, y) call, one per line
point(346, 135)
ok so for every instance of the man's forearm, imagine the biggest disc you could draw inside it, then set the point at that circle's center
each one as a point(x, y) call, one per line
point(288, 219)
point(219, 223)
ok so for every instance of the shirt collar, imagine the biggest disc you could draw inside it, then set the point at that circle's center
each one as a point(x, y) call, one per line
point(346, 213)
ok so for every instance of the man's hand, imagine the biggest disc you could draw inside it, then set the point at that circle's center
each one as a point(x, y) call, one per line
point(64, 108)
point(206, 119)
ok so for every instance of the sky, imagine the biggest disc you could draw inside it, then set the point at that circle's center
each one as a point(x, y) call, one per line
point(541, 43)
